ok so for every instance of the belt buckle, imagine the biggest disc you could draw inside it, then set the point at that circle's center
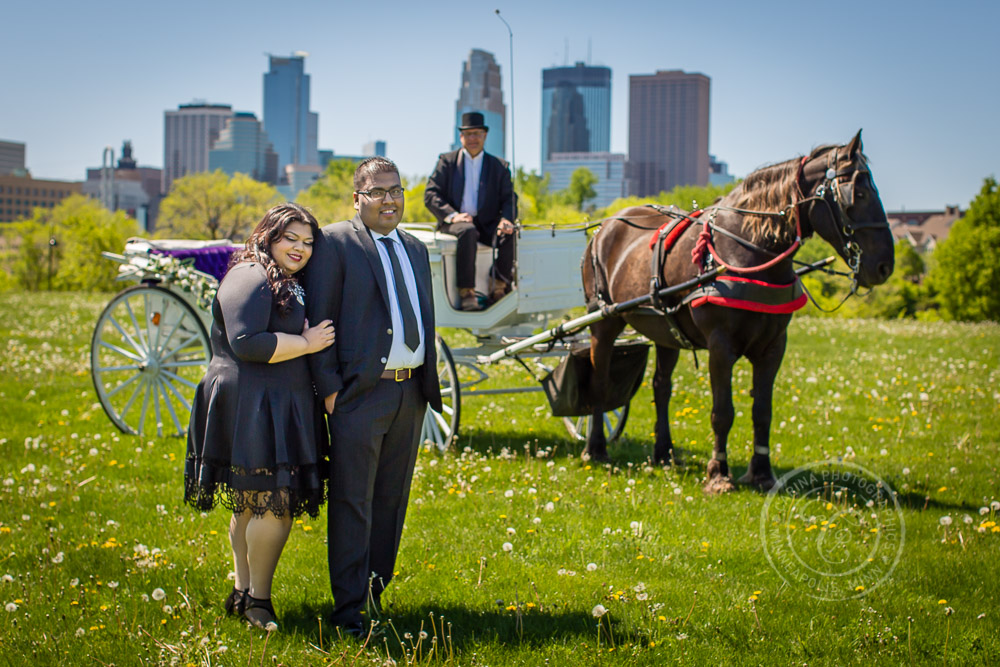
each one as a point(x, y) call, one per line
point(399, 374)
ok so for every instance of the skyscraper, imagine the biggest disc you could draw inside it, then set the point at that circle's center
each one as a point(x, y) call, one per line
point(291, 127)
point(243, 147)
point(668, 131)
point(576, 110)
point(188, 134)
point(11, 157)
point(481, 92)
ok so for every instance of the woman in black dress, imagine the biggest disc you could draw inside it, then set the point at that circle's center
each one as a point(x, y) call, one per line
point(257, 439)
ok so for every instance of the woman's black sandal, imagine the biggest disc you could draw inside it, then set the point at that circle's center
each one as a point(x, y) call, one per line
point(259, 613)
point(236, 602)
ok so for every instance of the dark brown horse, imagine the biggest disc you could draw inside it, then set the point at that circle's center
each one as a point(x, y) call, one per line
point(753, 232)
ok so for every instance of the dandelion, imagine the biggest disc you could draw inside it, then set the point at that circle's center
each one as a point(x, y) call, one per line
point(11, 607)
point(508, 547)
point(158, 594)
point(80, 632)
point(550, 507)
point(423, 634)
point(167, 609)
point(532, 490)
point(945, 521)
point(508, 493)
point(536, 521)
point(995, 506)
point(678, 490)
point(634, 525)
point(967, 519)
point(6, 578)
point(591, 567)
point(983, 511)
point(58, 558)
point(942, 602)
point(74, 582)
point(906, 471)
point(642, 597)
point(511, 531)
point(598, 611)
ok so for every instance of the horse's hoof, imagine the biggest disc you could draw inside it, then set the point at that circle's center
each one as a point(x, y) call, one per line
point(763, 481)
point(718, 485)
point(600, 457)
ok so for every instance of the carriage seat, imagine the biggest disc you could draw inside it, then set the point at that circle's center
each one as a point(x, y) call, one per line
point(484, 260)
point(211, 257)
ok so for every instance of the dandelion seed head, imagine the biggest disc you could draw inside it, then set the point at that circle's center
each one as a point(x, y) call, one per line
point(598, 611)
point(508, 547)
point(550, 506)
point(80, 632)
point(158, 594)
point(6, 579)
point(509, 493)
point(591, 567)
point(995, 506)
point(11, 607)
point(945, 520)
point(511, 531)
point(423, 634)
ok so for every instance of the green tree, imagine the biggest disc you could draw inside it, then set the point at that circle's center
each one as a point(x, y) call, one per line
point(212, 205)
point(581, 187)
point(330, 197)
point(967, 264)
point(82, 230)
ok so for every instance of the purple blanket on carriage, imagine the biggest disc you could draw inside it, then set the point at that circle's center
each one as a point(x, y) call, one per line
point(213, 260)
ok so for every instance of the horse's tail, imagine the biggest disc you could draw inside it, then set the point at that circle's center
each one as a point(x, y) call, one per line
point(595, 281)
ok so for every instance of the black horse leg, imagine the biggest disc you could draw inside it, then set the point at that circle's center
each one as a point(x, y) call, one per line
point(602, 340)
point(765, 370)
point(666, 360)
point(720, 366)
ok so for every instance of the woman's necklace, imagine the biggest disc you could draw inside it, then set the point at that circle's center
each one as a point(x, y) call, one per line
point(298, 291)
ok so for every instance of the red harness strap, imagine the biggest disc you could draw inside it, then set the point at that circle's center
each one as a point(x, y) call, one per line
point(749, 294)
point(680, 226)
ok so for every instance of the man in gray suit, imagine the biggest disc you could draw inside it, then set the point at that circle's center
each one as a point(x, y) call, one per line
point(374, 282)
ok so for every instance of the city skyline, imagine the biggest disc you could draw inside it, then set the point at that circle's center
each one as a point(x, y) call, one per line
point(919, 78)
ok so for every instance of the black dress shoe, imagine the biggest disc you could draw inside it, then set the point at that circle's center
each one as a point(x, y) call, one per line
point(236, 602)
point(353, 630)
point(260, 613)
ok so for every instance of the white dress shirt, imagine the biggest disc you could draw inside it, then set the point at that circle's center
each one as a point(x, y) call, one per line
point(470, 195)
point(400, 356)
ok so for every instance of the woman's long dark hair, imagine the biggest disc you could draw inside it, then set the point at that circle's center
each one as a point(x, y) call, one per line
point(258, 248)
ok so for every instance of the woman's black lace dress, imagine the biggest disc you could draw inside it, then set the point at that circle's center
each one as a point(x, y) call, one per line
point(257, 440)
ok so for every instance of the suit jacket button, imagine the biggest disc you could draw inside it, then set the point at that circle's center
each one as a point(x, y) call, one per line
point(389, 331)
point(384, 360)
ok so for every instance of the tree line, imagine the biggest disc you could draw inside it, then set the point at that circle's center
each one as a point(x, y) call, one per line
point(60, 248)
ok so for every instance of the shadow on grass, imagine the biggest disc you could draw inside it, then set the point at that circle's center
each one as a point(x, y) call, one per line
point(467, 627)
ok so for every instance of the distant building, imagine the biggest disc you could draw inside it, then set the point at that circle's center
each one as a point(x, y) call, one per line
point(923, 229)
point(481, 92)
point(21, 194)
point(188, 135)
point(133, 189)
point(299, 177)
point(11, 157)
point(608, 167)
point(576, 110)
point(292, 129)
point(668, 131)
point(243, 148)
point(325, 158)
point(718, 172)
point(375, 148)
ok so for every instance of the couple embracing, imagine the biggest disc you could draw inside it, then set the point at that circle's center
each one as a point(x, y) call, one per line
point(257, 443)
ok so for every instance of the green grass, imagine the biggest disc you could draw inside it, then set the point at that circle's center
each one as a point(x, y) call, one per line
point(91, 522)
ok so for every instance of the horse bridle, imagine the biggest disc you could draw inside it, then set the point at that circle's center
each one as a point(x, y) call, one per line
point(830, 188)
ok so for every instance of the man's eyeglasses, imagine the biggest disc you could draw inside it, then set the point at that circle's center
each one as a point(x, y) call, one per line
point(379, 193)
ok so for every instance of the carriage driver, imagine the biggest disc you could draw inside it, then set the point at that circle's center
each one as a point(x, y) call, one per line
point(471, 195)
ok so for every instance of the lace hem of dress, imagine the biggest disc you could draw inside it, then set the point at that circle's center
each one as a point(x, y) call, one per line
point(280, 501)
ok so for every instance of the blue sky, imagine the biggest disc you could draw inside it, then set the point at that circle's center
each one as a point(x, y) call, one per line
point(921, 78)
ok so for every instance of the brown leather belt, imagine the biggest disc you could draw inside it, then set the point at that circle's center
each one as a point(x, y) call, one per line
point(399, 374)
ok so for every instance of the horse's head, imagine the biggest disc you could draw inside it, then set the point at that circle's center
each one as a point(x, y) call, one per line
point(844, 208)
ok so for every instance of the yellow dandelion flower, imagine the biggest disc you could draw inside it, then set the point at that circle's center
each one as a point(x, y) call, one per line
point(942, 602)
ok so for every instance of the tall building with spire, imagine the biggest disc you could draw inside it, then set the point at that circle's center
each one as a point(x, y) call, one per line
point(481, 92)
point(668, 131)
point(292, 128)
point(188, 134)
point(576, 110)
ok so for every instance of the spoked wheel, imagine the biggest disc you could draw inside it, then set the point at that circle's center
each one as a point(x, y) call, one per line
point(440, 428)
point(613, 422)
point(147, 355)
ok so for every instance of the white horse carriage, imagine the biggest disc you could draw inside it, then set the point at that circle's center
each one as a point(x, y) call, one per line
point(151, 345)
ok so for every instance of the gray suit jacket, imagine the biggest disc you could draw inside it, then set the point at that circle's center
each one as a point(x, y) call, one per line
point(345, 283)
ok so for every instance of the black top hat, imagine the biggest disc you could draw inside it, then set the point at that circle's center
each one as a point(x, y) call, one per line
point(473, 120)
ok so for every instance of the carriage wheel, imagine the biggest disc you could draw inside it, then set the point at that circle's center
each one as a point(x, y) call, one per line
point(148, 352)
point(614, 424)
point(441, 428)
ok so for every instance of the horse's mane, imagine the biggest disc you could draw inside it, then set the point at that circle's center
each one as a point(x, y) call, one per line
point(769, 189)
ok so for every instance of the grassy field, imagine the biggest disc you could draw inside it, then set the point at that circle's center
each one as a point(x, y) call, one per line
point(512, 540)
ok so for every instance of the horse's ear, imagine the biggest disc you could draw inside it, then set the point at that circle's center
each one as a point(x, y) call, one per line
point(855, 148)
